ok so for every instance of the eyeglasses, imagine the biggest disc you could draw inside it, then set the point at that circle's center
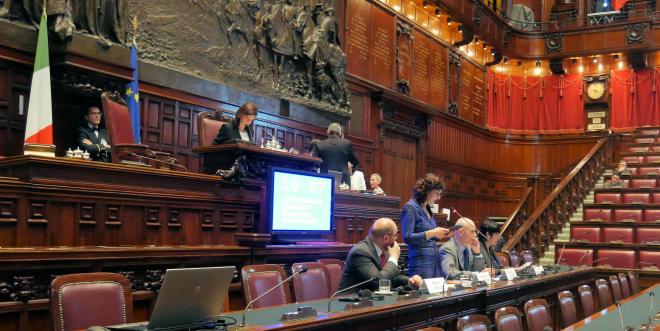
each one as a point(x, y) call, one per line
point(95, 114)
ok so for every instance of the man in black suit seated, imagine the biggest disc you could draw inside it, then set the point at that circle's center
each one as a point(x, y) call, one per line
point(335, 152)
point(93, 138)
point(376, 256)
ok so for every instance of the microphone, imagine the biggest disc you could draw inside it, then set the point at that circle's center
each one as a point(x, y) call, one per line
point(601, 259)
point(651, 294)
point(473, 227)
point(585, 255)
point(157, 160)
point(346, 289)
point(301, 270)
point(623, 328)
point(561, 253)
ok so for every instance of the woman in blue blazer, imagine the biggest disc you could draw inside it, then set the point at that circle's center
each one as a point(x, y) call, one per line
point(420, 232)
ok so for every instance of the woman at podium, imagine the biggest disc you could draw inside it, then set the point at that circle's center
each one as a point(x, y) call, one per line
point(240, 128)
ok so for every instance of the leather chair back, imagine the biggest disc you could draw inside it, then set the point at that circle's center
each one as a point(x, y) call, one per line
point(642, 182)
point(628, 215)
point(635, 197)
point(503, 259)
point(655, 196)
point(652, 158)
point(508, 318)
point(634, 282)
point(648, 234)
point(625, 285)
point(607, 197)
point(576, 256)
point(79, 301)
point(527, 256)
point(649, 260)
point(633, 159)
point(474, 322)
point(601, 214)
point(117, 120)
point(653, 170)
point(567, 306)
point(257, 279)
point(604, 294)
point(335, 267)
point(611, 234)
point(537, 314)
point(616, 258)
point(209, 125)
point(587, 300)
point(616, 288)
point(313, 284)
point(588, 233)
point(514, 259)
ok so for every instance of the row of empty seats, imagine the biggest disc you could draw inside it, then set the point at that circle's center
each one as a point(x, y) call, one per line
point(637, 159)
point(538, 316)
point(628, 235)
point(609, 257)
point(513, 259)
point(641, 213)
point(626, 197)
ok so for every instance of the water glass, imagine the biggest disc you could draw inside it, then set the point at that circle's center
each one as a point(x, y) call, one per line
point(384, 285)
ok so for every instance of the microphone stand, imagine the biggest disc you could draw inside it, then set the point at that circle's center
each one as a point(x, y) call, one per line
point(603, 259)
point(652, 295)
point(583, 256)
point(346, 289)
point(300, 271)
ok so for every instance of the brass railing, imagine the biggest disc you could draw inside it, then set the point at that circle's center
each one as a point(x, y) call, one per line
point(542, 226)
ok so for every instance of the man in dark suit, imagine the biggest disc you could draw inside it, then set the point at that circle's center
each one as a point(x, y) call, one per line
point(335, 152)
point(462, 253)
point(93, 138)
point(376, 256)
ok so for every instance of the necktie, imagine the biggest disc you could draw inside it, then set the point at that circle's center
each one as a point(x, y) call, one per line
point(466, 260)
point(383, 260)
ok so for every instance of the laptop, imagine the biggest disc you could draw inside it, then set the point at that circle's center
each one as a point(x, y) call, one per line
point(187, 296)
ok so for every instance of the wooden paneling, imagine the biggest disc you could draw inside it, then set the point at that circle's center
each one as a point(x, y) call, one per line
point(383, 33)
point(438, 79)
point(398, 165)
point(421, 67)
point(358, 37)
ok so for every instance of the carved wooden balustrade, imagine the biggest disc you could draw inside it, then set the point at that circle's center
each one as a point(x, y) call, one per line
point(542, 226)
point(518, 216)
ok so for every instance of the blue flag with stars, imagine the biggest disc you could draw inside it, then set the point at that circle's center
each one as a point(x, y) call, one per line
point(133, 96)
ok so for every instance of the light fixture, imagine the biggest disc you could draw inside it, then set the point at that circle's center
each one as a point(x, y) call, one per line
point(437, 12)
point(600, 67)
point(460, 28)
point(581, 69)
point(538, 71)
point(435, 31)
point(519, 63)
point(449, 20)
point(476, 41)
point(619, 64)
point(397, 7)
point(595, 60)
point(492, 52)
point(616, 57)
point(426, 3)
point(411, 16)
point(574, 61)
point(506, 59)
point(485, 46)
point(538, 63)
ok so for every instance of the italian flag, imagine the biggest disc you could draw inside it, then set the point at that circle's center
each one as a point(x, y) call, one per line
point(39, 127)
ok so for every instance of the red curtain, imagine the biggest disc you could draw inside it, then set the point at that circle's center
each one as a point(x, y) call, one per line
point(534, 105)
point(618, 4)
point(634, 102)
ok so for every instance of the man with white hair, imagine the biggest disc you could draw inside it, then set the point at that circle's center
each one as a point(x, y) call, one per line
point(462, 253)
point(335, 152)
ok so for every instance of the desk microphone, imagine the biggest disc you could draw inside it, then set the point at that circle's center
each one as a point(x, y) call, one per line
point(346, 289)
point(301, 270)
point(601, 259)
point(159, 161)
point(585, 255)
point(651, 294)
point(623, 328)
point(561, 253)
point(474, 227)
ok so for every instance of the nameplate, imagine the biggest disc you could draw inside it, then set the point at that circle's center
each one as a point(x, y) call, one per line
point(538, 270)
point(434, 285)
point(510, 273)
point(483, 277)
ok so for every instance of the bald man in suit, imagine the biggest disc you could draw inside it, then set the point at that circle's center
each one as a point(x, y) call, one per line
point(462, 253)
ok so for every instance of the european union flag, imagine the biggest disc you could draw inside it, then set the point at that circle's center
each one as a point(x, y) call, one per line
point(133, 96)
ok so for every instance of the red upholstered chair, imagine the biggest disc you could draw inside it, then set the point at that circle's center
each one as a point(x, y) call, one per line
point(648, 132)
point(642, 182)
point(627, 215)
point(645, 235)
point(618, 235)
point(608, 197)
point(503, 259)
point(652, 215)
point(597, 215)
point(527, 256)
point(633, 159)
point(584, 233)
point(644, 140)
point(537, 314)
point(625, 285)
point(567, 306)
point(313, 284)
point(655, 196)
point(258, 279)
point(649, 260)
point(514, 259)
point(587, 300)
point(120, 130)
point(644, 149)
point(604, 294)
point(475, 322)
point(78, 301)
point(616, 288)
point(617, 258)
point(209, 124)
point(652, 158)
point(335, 267)
point(636, 197)
point(650, 170)
point(633, 171)
point(655, 149)
point(508, 318)
point(577, 256)
point(634, 282)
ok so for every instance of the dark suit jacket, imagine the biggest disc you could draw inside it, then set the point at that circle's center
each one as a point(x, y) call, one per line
point(336, 152)
point(452, 260)
point(96, 151)
point(229, 133)
point(362, 263)
point(489, 256)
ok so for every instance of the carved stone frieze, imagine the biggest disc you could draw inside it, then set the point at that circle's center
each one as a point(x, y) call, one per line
point(415, 127)
point(477, 7)
point(554, 42)
point(404, 28)
point(635, 32)
point(454, 59)
point(452, 108)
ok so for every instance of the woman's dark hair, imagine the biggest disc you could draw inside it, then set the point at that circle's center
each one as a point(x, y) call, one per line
point(245, 109)
point(424, 185)
point(488, 227)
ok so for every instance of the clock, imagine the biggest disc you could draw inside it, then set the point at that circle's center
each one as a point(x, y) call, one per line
point(595, 90)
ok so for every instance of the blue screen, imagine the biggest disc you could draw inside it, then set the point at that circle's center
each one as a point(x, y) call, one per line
point(301, 202)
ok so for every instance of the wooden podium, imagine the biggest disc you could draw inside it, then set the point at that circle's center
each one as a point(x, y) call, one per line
point(254, 161)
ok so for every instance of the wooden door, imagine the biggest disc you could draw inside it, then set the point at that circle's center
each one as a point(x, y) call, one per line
point(399, 169)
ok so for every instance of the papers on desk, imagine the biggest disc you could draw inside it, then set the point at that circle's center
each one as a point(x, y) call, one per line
point(435, 285)
point(524, 266)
